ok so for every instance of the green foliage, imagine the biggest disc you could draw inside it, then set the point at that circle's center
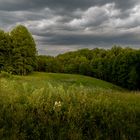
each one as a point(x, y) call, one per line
point(120, 66)
point(17, 51)
point(47, 64)
point(4, 74)
point(34, 107)
point(5, 52)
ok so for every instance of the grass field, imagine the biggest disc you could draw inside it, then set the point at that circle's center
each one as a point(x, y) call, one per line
point(66, 107)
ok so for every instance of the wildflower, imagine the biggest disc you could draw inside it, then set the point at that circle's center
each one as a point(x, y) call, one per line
point(57, 105)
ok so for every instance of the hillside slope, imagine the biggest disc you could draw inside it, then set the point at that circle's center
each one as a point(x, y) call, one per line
point(41, 78)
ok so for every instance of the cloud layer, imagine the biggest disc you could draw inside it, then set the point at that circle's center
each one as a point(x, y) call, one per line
point(62, 25)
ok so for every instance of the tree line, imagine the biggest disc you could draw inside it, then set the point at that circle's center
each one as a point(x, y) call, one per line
point(17, 51)
point(117, 65)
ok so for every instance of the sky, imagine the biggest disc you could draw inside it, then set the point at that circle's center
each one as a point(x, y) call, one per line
point(59, 26)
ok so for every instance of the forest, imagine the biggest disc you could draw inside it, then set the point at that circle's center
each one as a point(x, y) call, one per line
point(118, 65)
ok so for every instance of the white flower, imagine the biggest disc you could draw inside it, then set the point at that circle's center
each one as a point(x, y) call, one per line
point(57, 105)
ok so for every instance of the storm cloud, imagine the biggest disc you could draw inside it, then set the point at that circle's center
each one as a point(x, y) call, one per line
point(62, 25)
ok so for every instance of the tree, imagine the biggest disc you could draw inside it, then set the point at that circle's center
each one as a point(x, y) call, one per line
point(24, 50)
point(5, 52)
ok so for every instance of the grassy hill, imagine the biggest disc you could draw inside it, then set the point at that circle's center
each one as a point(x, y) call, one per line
point(41, 78)
point(63, 106)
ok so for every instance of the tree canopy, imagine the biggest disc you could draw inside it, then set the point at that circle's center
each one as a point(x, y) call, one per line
point(18, 51)
point(117, 65)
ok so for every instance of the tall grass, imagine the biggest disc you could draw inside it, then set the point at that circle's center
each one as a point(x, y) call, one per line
point(57, 112)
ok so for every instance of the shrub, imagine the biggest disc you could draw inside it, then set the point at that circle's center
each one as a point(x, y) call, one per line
point(4, 74)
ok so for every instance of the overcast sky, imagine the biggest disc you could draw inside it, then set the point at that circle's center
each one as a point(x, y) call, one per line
point(66, 25)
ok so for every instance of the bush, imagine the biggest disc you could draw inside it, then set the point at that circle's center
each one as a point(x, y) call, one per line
point(4, 74)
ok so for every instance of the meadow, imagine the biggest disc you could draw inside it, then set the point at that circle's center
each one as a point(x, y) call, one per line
point(53, 106)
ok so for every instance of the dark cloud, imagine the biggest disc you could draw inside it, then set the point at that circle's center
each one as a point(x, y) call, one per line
point(60, 4)
point(64, 25)
point(88, 40)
